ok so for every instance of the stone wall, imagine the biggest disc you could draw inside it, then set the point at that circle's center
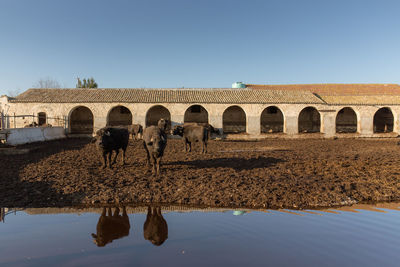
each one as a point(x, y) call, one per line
point(139, 111)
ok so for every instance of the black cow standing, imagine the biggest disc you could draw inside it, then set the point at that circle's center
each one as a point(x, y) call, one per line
point(155, 228)
point(111, 139)
point(154, 142)
point(111, 226)
point(191, 134)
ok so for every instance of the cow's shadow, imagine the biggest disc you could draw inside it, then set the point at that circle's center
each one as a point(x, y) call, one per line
point(233, 163)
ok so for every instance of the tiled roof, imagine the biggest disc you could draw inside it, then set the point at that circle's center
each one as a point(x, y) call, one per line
point(334, 89)
point(343, 94)
point(239, 96)
point(362, 99)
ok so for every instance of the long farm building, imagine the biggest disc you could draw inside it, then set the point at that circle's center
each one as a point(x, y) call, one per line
point(255, 111)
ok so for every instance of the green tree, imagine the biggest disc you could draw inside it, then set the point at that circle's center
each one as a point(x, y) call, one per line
point(86, 83)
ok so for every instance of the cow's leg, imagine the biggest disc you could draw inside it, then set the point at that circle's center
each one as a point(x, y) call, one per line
point(184, 145)
point(104, 212)
point(158, 165)
point(148, 155)
point(104, 159)
point(123, 156)
point(116, 155)
point(205, 145)
point(124, 211)
point(154, 161)
point(109, 212)
point(109, 158)
point(190, 146)
point(116, 212)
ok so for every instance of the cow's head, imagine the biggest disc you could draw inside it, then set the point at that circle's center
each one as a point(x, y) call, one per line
point(163, 124)
point(178, 130)
point(157, 142)
point(98, 240)
point(104, 138)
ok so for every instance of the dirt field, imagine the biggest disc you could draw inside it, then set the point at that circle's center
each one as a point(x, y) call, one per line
point(278, 173)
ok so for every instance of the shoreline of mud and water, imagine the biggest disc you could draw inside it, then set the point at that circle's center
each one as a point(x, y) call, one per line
point(266, 174)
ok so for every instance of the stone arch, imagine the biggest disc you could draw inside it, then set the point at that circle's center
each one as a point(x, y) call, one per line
point(81, 120)
point(234, 120)
point(42, 118)
point(309, 120)
point(119, 115)
point(383, 121)
point(272, 120)
point(155, 113)
point(346, 121)
point(196, 113)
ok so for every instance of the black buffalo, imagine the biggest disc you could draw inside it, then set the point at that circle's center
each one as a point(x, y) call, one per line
point(154, 142)
point(111, 227)
point(155, 228)
point(192, 133)
point(111, 139)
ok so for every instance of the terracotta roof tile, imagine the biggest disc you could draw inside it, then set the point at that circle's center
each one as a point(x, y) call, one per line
point(239, 96)
point(362, 100)
point(334, 89)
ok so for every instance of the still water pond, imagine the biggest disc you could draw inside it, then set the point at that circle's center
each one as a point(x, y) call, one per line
point(359, 236)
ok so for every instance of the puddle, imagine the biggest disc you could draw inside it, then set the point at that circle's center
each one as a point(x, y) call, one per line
point(361, 235)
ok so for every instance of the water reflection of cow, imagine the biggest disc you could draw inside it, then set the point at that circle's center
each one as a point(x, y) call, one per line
point(111, 226)
point(155, 228)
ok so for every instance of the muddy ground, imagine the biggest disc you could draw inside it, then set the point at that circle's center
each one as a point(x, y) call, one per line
point(274, 173)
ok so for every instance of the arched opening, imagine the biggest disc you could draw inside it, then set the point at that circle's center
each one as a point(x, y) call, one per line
point(309, 121)
point(119, 115)
point(346, 121)
point(154, 114)
point(234, 120)
point(81, 121)
point(383, 121)
point(271, 120)
point(42, 118)
point(196, 113)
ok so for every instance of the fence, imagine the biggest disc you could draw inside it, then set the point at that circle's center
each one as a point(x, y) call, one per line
point(8, 121)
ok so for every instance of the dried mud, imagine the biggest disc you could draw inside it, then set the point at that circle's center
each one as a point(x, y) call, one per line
point(272, 173)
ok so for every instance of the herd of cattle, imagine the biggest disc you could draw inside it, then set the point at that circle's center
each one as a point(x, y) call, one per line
point(114, 138)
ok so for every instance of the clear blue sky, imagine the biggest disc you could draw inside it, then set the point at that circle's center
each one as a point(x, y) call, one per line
point(195, 43)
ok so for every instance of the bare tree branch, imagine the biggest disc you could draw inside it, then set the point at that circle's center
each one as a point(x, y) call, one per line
point(47, 83)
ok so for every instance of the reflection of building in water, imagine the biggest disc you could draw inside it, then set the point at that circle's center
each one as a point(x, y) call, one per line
point(188, 209)
point(111, 226)
point(2, 214)
point(155, 228)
